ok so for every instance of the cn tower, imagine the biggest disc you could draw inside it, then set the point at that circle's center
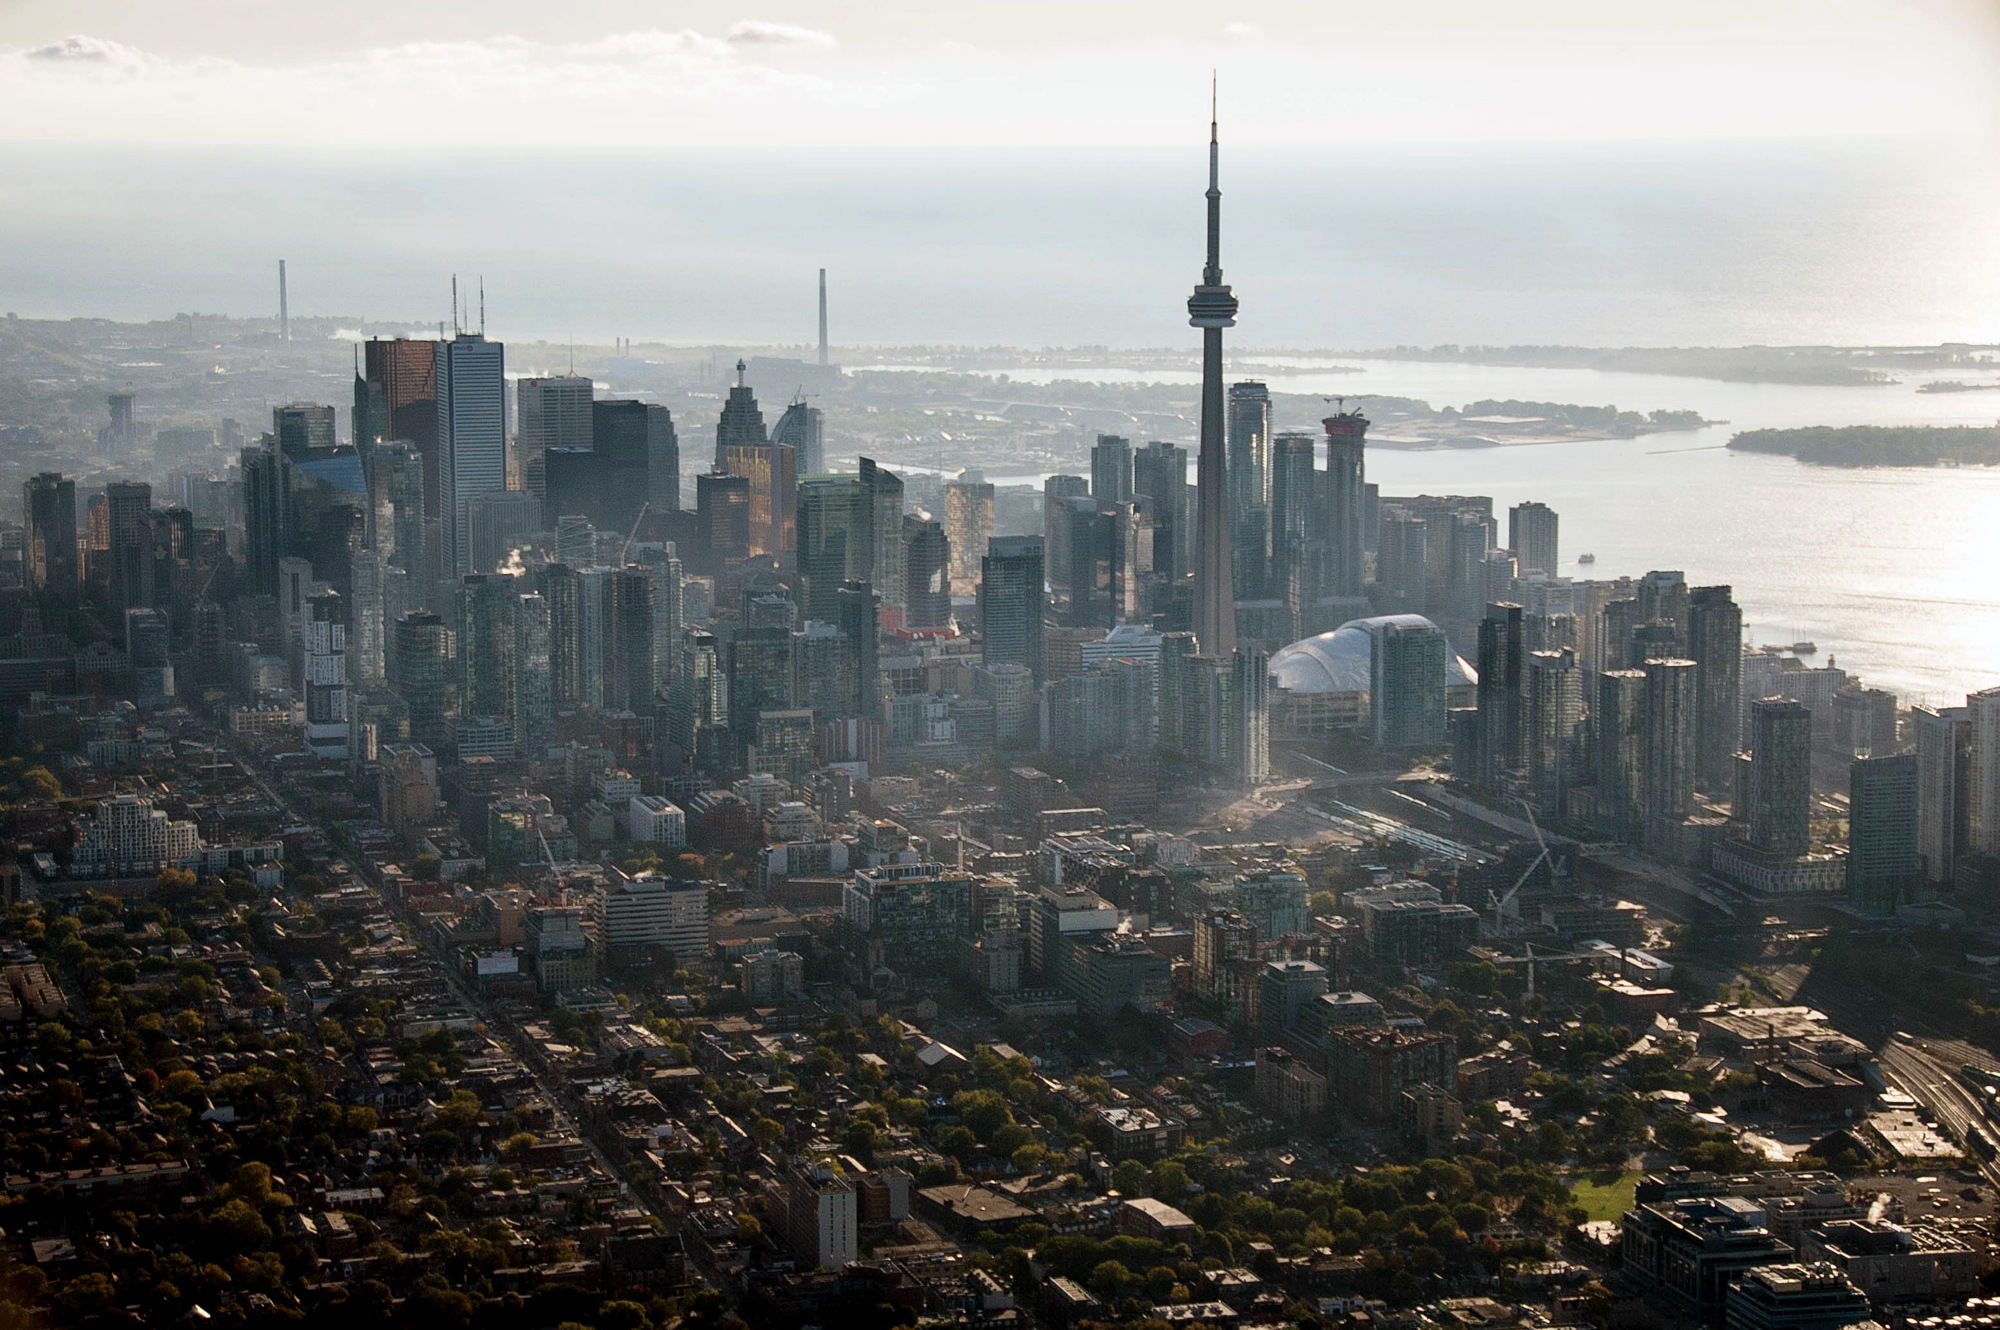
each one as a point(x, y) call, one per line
point(1212, 308)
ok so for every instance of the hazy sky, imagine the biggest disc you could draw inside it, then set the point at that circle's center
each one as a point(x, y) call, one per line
point(886, 73)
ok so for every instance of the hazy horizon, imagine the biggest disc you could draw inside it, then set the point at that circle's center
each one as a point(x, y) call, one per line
point(1353, 247)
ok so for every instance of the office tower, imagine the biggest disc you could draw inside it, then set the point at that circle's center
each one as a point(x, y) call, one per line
point(1982, 795)
point(499, 524)
point(1403, 559)
point(1111, 470)
point(885, 531)
point(927, 558)
point(1159, 483)
point(368, 619)
point(803, 429)
point(1780, 794)
point(822, 318)
point(662, 451)
point(743, 449)
point(968, 525)
point(303, 429)
point(722, 519)
point(834, 519)
point(1943, 741)
point(471, 439)
point(1554, 719)
point(858, 615)
point(326, 674)
point(1883, 865)
point(1669, 749)
point(1531, 534)
point(1346, 502)
point(1502, 678)
point(1407, 684)
point(631, 685)
point(1618, 723)
point(1091, 543)
point(576, 541)
point(398, 480)
point(1211, 309)
point(128, 509)
point(1249, 445)
point(426, 661)
point(48, 512)
point(550, 413)
point(760, 678)
point(1715, 642)
point(402, 385)
point(1057, 491)
point(1012, 603)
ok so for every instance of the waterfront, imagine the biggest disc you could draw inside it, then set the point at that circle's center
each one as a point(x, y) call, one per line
point(1888, 570)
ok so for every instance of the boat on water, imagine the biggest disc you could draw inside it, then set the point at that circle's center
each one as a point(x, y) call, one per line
point(1586, 558)
point(1805, 648)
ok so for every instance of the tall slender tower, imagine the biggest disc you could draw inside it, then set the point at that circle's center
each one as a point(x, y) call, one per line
point(822, 317)
point(1211, 309)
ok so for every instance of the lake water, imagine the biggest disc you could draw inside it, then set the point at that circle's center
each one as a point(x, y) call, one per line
point(1891, 571)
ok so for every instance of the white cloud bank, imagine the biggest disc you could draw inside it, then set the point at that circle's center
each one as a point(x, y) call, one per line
point(766, 83)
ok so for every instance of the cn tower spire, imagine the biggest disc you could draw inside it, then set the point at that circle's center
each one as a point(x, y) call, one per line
point(1211, 309)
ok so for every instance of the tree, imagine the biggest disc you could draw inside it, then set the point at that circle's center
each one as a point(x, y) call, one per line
point(1110, 1276)
point(982, 1111)
point(748, 1231)
point(1131, 1178)
point(619, 1314)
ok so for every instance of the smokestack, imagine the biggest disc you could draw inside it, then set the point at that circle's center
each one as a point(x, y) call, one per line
point(822, 316)
point(284, 307)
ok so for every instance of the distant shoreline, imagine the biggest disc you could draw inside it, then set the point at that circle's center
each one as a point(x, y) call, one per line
point(1878, 445)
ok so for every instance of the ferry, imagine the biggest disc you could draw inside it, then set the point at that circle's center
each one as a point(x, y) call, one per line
point(1586, 558)
point(1805, 648)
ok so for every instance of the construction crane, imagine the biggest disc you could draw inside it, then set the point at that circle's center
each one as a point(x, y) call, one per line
point(1501, 903)
point(625, 552)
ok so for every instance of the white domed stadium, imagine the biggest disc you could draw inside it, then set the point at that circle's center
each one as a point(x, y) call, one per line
point(1321, 684)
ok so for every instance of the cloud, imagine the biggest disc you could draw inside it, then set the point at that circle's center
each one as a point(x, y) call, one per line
point(757, 32)
point(1242, 30)
point(86, 51)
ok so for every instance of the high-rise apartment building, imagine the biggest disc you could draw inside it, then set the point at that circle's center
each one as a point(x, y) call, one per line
point(129, 507)
point(325, 675)
point(1715, 642)
point(1503, 665)
point(1111, 470)
point(1407, 684)
point(1780, 794)
point(1554, 722)
point(1347, 502)
point(928, 556)
point(1883, 865)
point(1159, 485)
point(426, 663)
point(1982, 799)
point(1619, 727)
point(1531, 534)
point(968, 525)
point(1944, 760)
point(1669, 748)
point(1249, 447)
